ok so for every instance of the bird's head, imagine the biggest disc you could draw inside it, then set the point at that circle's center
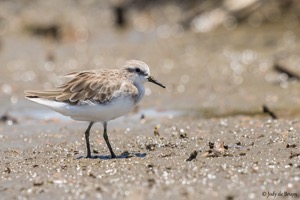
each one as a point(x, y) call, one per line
point(139, 72)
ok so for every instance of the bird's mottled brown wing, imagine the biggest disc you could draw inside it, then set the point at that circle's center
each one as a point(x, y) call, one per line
point(100, 86)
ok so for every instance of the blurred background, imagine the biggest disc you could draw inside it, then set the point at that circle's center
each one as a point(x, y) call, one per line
point(216, 57)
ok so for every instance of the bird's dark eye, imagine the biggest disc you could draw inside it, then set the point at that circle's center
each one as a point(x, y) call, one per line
point(137, 70)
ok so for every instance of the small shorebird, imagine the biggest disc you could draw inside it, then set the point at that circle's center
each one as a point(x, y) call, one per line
point(98, 96)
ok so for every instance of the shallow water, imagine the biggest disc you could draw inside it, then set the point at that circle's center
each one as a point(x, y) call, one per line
point(218, 73)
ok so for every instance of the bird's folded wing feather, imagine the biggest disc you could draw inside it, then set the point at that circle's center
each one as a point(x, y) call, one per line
point(100, 86)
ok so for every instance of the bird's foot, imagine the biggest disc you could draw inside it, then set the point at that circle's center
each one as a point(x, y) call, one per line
point(113, 155)
point(88, 156)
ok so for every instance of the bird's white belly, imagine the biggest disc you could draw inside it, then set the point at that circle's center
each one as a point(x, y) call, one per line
point(102, 113)
point(92, 112)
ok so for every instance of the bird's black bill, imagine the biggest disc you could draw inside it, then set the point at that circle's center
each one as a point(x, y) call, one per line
point(152, 80)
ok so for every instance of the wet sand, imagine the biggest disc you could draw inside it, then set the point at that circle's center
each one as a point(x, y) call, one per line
point(236, 158)
point(214, 140)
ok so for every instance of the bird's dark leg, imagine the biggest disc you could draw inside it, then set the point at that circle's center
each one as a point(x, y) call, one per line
point(113, 155)
point(87, 140)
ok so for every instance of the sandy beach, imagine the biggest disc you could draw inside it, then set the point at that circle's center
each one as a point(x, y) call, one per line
point(209, 135)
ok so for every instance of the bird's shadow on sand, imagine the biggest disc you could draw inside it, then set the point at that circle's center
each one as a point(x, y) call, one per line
point(124, 155)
